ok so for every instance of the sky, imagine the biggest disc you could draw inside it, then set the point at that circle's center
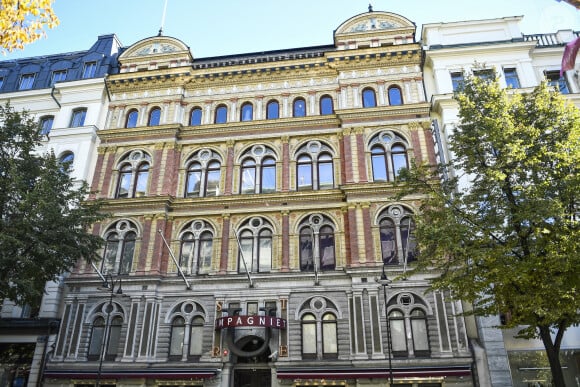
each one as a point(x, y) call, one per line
point(224, 27)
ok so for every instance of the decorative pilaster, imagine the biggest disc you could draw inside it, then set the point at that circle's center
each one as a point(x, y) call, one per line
point(367, 233)
point(285, 241)
point(229, 167)
point(360, 156)
point(285, 164)
point(224, 254)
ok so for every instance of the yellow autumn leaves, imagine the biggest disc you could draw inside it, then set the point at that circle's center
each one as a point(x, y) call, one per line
point(22, 22)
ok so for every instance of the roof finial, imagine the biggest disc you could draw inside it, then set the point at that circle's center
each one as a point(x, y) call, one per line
point(370, 7)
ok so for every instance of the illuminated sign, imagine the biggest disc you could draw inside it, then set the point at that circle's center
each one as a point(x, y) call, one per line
point(250, 321)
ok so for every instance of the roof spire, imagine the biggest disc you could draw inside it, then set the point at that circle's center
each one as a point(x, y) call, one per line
point(370, 7)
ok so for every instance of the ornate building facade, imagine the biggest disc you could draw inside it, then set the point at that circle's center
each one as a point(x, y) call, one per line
point(254, 219)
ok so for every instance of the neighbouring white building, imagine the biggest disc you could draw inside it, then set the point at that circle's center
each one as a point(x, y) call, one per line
point(67, 94)
point(522, 62)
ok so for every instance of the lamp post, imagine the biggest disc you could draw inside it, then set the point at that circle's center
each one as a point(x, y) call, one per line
point(385, 282)
point(109, 284)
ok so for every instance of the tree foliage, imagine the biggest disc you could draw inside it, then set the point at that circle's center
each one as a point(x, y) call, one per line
point(22, 22)
point(44, 218)
point(504, 232)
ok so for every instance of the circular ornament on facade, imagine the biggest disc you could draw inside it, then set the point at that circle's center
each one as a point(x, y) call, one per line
point(314, 147)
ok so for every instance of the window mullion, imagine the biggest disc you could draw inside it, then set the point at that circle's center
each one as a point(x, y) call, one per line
point(186, 336)
point(315, 174)
point(193, 269)
point(203, 182)
point(120, 248)
point(399, 239)
point(409, 338)
point(255, 254)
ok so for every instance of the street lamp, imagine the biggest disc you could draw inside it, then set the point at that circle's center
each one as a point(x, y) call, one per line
point(385, 282)
point(109, 284)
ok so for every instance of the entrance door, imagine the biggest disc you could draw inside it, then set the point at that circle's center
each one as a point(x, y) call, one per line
point(253, 378)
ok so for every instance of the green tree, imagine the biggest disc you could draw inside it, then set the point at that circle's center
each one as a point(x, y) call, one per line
point(44, 218)
point(504, 231)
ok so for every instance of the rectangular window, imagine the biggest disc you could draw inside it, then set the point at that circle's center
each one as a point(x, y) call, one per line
point(46, 124)
point(58, 76)
point(484, 75)
point(1, 82)
point(457, 81)
point(90, 69)
point(26, 81)
point(511, 78)
point(78, 118)
point(554, 79)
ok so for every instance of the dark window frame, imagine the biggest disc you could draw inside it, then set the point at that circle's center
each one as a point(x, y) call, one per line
point(154, 116)
point(297, 110)
point(369, 97)
point(269, 107)
point(78, 117)
point(26, 81)
point(193, 114)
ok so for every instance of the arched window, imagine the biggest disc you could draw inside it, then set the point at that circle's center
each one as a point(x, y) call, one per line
point(66, 160)
point(196, 338)
point(133, 175)
point(114, 337)
point(314, 167)
point(203, 174)
point(419, 332)
point(409, 329)
point(154, 117)
point(196, 248)
point(309, 337)
point(398, 245)
point(195, 116)
point(369, 97)
point(388, 156)
point(317, 244)
point(398, 333)
point(299, 107)
point(326, 105)
point(395, 96)
point(97, 336)
point(177, 337)
point(272, 110)
point(319, 329)
point(255, 238)
point(247, 112)
point(132, 117)
point(120, 241)
point(258, 170)
point(221, 114)
point(106, 337)
point(186, 321)
point(329, 336)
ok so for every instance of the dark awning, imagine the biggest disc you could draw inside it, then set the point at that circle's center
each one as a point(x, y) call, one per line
point(150, 373)
point(364, 373)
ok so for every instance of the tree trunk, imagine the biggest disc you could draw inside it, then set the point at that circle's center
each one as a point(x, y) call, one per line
point(553, 353)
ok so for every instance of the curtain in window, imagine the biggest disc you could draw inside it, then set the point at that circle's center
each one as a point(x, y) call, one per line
point(177, 336)
point(196, 337)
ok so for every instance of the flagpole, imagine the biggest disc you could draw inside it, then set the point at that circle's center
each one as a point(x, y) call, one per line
point(244, 261)
point(175, 260)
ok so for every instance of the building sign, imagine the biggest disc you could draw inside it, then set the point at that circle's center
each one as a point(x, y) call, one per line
point(250, 321)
